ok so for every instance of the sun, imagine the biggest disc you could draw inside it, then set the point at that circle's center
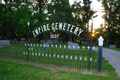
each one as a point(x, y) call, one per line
point(93, 35)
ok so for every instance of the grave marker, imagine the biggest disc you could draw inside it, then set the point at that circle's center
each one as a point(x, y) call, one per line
point(55, 41)
point(68, 42)
point(42, 41)
point(4, 43)
point(73, 46)
point(45, 46)
point(15, 41)
point(112, 46)
point(49, 41)
point(22, 41)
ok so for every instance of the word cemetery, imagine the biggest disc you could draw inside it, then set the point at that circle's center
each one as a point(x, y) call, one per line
point(58, 26)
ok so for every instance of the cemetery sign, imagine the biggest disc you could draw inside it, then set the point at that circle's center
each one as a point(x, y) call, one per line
point(58, 26)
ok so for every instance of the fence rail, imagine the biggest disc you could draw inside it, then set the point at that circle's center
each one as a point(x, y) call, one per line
point(53, 54)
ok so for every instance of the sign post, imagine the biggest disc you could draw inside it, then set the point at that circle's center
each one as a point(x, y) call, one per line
point(100, 44)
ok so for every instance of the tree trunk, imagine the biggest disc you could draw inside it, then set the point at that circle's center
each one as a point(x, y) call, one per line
point(80, 42)
point(4, 35)
point(108, 36)
point(88, 34)
point(109, 22)
point(70, 37)
point(18, 36)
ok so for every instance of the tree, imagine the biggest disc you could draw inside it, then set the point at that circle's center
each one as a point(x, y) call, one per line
point(62, 10)
point(101, 31)
point(63, 13)
point(39, 7)
point(14, 17)
point(111, 16)
point(73, 14)
point(88, 13)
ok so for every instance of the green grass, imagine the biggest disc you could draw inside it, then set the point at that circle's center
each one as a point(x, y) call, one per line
point(15, 71)
point(117, 49)
point(19, 51)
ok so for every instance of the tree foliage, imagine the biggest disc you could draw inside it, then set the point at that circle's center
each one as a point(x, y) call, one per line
point(16, 14)
point(14, 17)
point(112, 18)
point(101, 31)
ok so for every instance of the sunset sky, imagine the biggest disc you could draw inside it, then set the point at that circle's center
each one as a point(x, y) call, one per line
point(96, 6)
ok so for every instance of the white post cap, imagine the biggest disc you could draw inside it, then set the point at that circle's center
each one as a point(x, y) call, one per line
point(28, 23)
point(100, 41)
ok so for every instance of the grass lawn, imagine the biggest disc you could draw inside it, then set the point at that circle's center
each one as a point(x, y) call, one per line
point(53, 56)
point(16, 71)
point(117, 49)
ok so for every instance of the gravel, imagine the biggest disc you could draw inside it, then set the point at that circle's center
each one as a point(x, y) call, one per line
point(113, 57)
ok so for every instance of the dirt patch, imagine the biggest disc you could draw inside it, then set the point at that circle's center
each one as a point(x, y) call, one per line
point(51, 67)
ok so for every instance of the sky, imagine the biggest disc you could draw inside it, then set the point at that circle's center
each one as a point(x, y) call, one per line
point(96, 6)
